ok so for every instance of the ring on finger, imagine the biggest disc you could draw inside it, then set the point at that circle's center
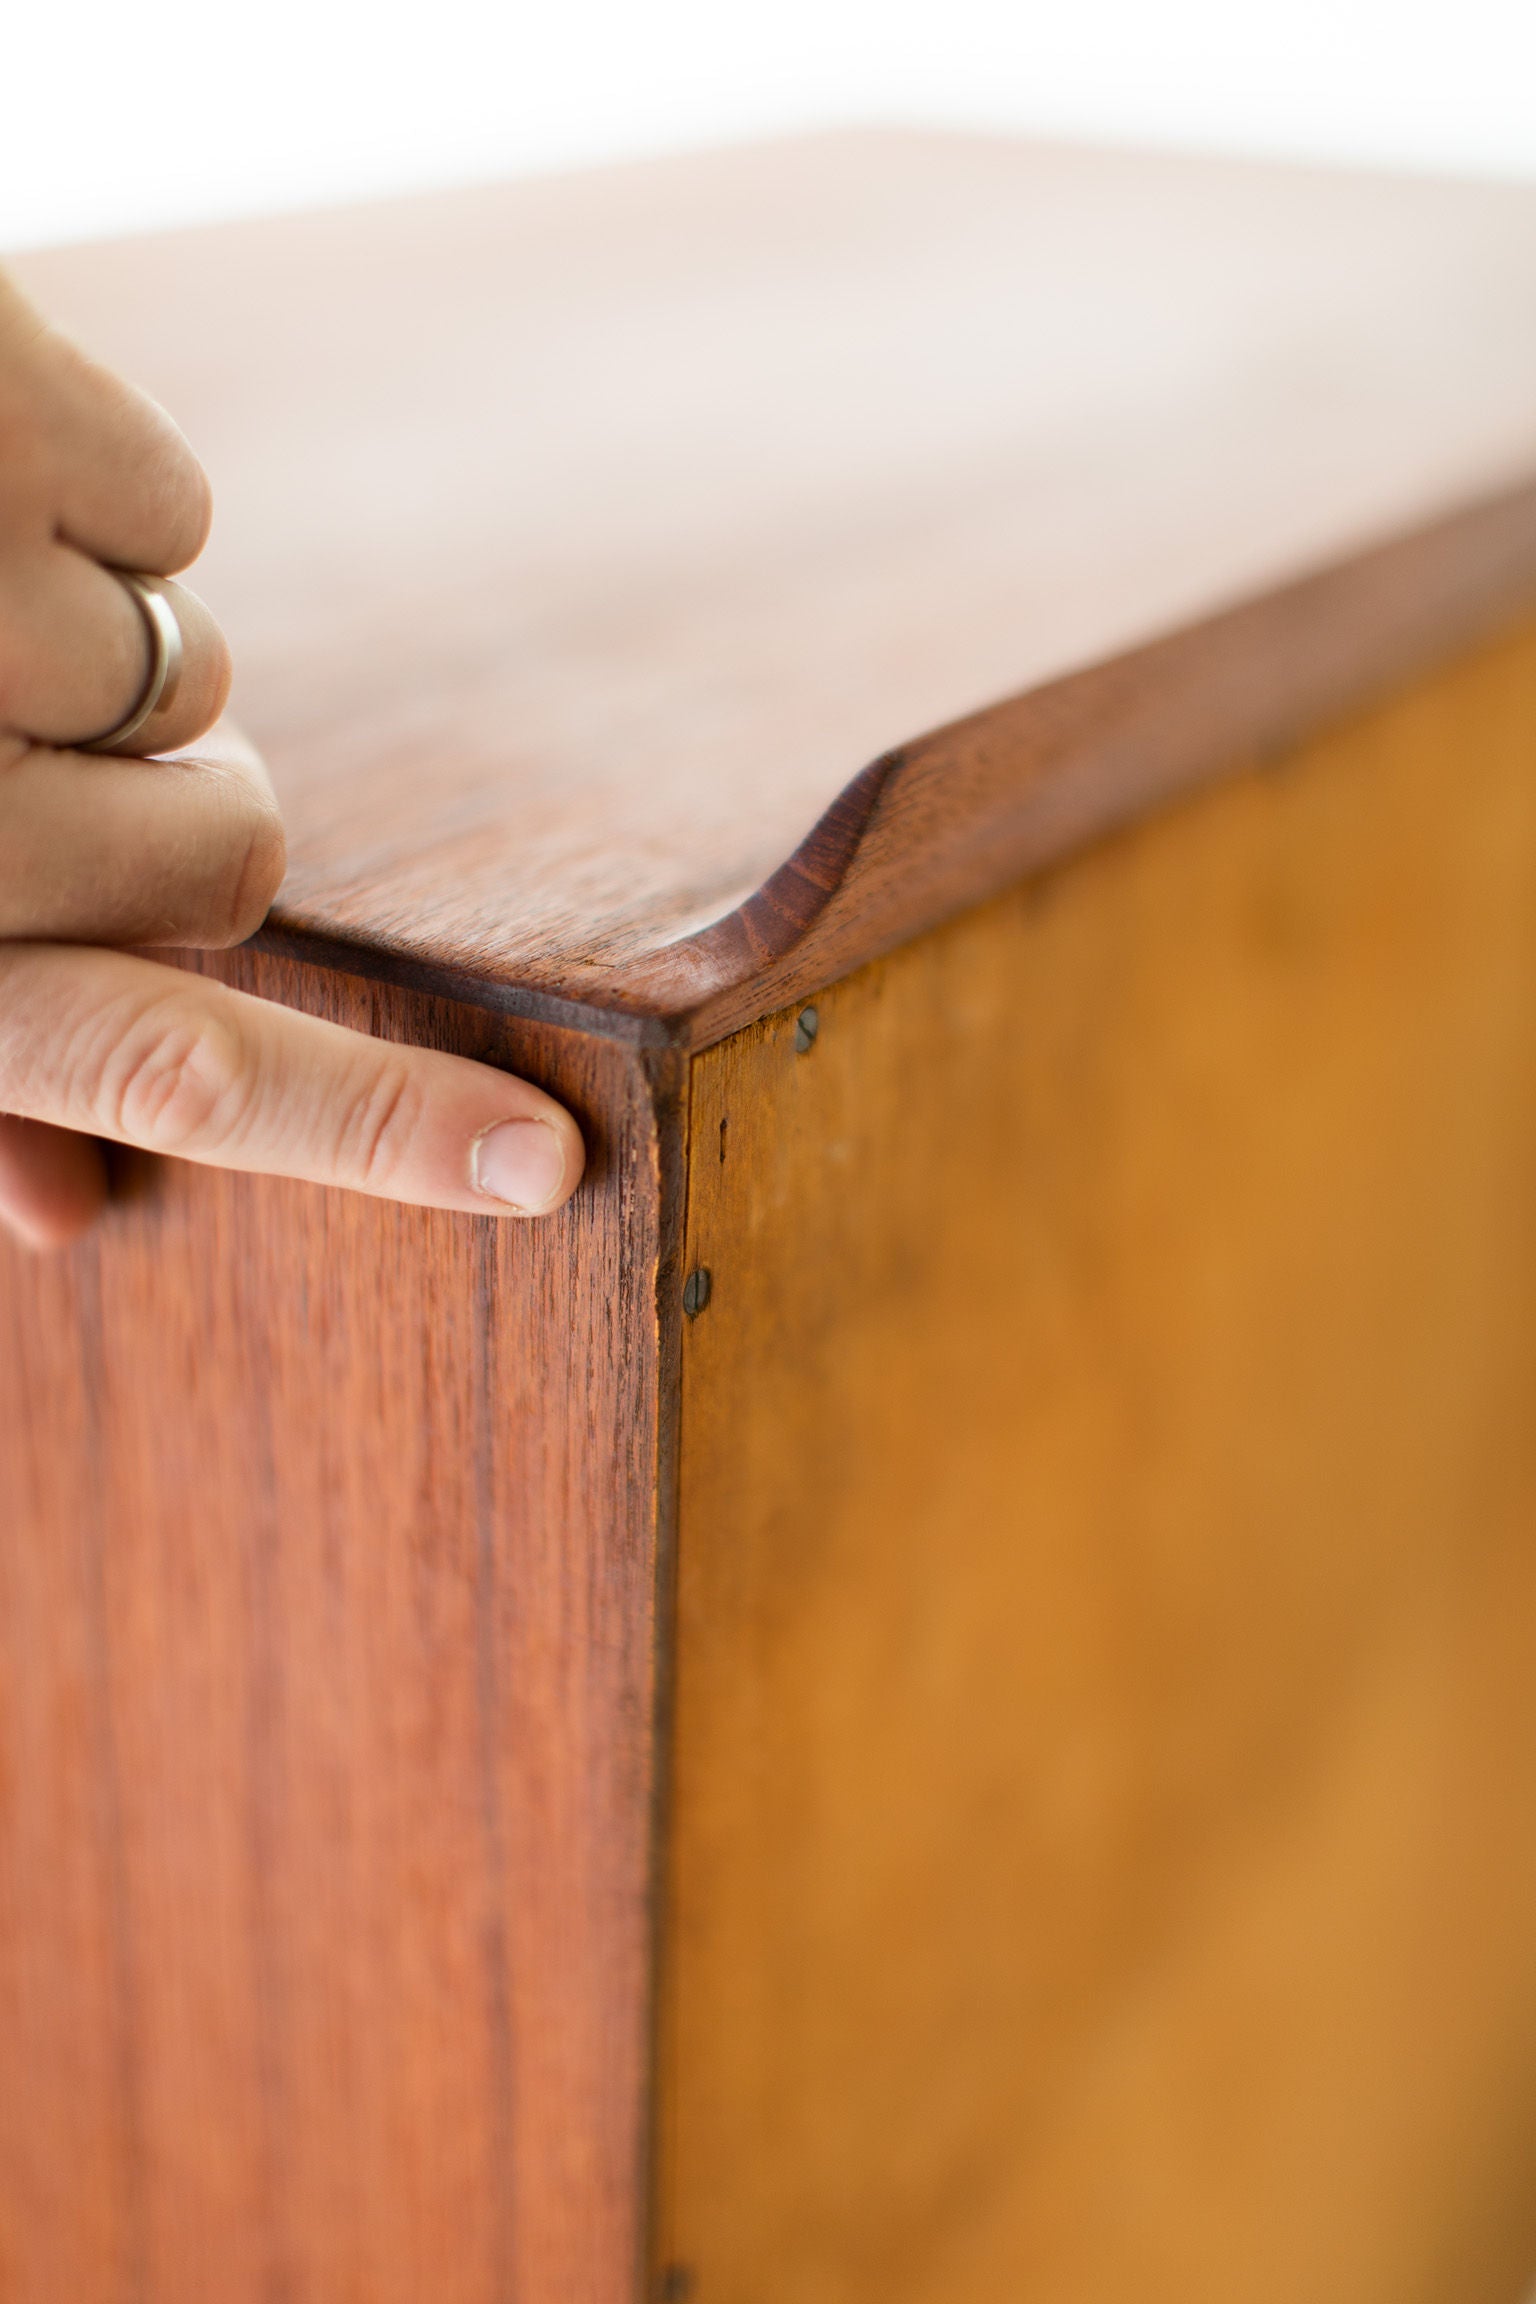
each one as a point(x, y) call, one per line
point(152, 599)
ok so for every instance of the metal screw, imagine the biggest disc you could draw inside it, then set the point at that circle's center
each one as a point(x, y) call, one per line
point(696, 1291)
point(807, 1025)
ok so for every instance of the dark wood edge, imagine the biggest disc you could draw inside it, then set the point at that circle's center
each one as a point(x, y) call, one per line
point(960, 814)
point(964, 812)
point(383, 964)
point(668, 1074)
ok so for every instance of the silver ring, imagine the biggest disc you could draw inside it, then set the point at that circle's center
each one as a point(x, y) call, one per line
point(149, 596)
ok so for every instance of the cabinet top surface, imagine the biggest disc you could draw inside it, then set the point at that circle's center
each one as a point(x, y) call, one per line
point(581, 540)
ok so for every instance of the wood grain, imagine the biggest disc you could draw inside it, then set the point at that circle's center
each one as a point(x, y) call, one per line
point(971, 809)
point(1105, 1730)
point(658, 592)
point(327, 1573)
point(581, 542)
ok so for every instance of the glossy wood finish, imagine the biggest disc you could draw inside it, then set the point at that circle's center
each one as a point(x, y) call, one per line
point(968, 810)
point(581, 542)
point(1105, 1745)
point(657, 593)
point(327, 1564)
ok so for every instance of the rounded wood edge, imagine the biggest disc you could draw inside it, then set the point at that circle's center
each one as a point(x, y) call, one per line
point(959, 814)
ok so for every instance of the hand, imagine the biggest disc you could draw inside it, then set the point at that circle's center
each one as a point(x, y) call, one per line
point(97, 851)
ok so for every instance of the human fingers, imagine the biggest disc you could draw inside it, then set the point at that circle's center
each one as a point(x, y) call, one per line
point(76, 653)
point(88, 456)
point(91, 472)
point(113, 1045)
point(183, 851)
point(53, 1183)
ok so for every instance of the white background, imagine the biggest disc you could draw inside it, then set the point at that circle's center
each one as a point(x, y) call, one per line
point(118, 114)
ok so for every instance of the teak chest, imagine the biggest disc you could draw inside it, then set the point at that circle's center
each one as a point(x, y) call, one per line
point(928, 1697)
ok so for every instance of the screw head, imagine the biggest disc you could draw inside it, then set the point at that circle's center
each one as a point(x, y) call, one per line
point(807, 1025)
point(696, 1290)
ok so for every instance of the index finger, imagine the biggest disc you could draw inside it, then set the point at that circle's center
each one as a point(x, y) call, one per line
point(112, 1045)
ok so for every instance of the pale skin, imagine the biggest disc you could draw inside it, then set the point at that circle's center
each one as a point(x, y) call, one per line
point(102, 853)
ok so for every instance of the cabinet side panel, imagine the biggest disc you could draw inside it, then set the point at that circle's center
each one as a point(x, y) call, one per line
point(326, 1639)
point(1104, 1784)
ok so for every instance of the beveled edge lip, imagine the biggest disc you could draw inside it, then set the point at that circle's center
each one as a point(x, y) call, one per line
point(380, 963)
point(764, 928)
point(768, 924)
point(1318, 644)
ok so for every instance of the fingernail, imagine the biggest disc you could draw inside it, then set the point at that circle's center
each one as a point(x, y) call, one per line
point(521, 1163)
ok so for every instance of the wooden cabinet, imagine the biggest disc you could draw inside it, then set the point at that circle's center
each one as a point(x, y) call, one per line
point(928, 1696)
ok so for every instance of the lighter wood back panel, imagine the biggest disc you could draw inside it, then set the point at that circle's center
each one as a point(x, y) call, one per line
point(1103, 1860)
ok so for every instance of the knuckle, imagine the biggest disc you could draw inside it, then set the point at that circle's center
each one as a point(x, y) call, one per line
point(380, 1124)
point(218, 673)
point(202, 691)
point(182, 493)
point(196, 507)
point(258, 859)
point(176, 1079)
